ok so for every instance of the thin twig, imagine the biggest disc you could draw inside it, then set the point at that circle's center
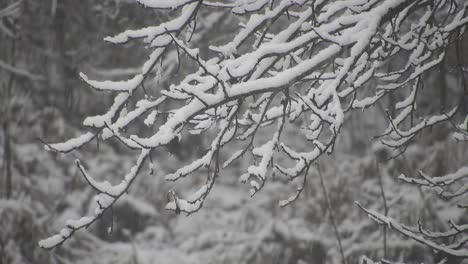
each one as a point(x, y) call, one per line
point(332, 215)
point(382, 193)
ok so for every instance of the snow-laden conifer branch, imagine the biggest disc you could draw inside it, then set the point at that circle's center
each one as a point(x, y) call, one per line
point(325, 58)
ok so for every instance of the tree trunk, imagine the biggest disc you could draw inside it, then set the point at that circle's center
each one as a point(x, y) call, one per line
point(56, 69)
point(442, 87)
point(7, 160)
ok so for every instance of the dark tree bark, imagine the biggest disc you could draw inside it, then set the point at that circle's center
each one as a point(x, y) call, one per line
point(7, 161)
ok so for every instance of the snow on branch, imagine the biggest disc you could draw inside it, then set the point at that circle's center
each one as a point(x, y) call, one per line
point(292, 60)
point(103, 200)
point(420, 235)
point(163, 4)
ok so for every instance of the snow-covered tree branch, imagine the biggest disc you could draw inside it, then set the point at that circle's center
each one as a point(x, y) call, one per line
point(292, 64)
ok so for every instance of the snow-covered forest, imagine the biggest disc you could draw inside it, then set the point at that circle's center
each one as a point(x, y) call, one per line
point(236, 131)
